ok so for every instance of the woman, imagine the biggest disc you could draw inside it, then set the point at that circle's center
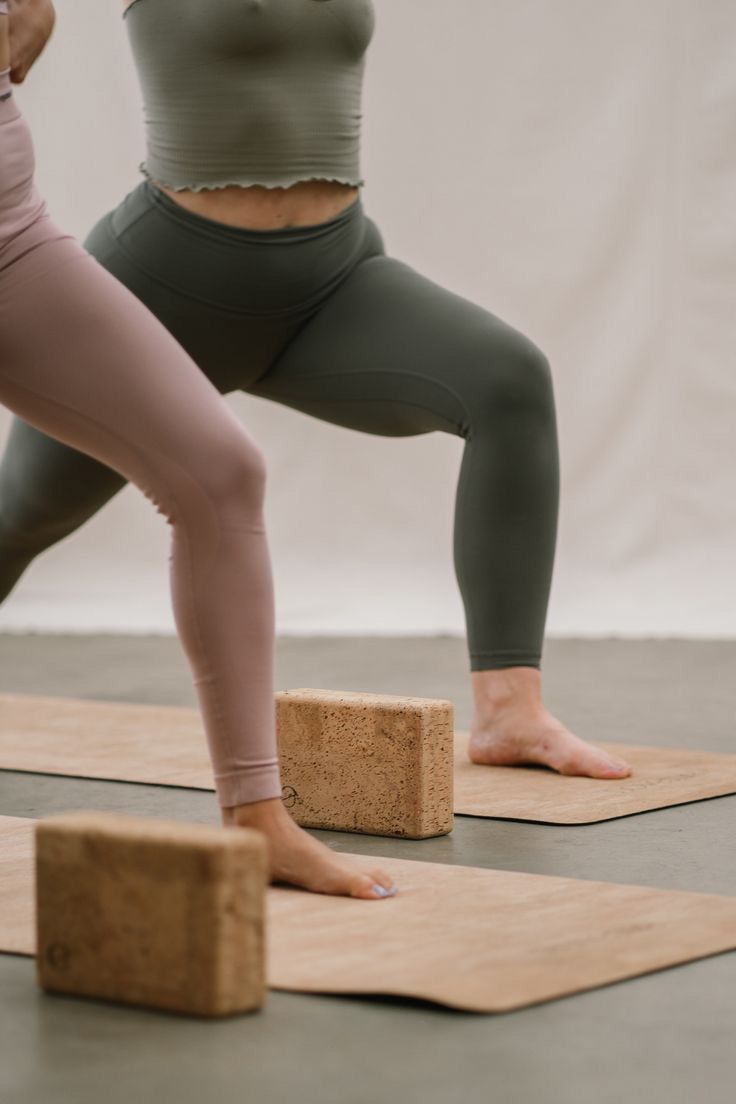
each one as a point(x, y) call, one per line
point(81, 358)
point(249, 241)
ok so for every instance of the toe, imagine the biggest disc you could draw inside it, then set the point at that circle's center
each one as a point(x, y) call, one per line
point(384, 881)
point(368, 888)
point(618, 769)
point(592, 763)
point(607, 766)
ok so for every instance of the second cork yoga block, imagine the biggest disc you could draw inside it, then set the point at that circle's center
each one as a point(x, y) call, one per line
point(151, 912)
point(373, 763)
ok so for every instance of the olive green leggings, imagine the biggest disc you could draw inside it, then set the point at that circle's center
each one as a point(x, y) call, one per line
point(319, 318)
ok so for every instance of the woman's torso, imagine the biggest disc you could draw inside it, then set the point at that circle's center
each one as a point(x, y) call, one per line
point(257, 206)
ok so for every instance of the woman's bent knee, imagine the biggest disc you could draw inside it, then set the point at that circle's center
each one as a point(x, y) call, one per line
point(235, 479)
point(515, 379)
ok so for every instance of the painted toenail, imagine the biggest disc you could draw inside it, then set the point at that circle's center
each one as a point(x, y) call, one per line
point(381, 891)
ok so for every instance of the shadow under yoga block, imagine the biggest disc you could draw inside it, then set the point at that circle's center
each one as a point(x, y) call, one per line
point(151, 912)
point(373, 763)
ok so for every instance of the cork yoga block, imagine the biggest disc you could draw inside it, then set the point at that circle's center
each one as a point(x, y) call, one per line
point(151, 912)
point(373, 763)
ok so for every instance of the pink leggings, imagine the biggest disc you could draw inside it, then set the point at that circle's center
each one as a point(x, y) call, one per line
point(83, 360)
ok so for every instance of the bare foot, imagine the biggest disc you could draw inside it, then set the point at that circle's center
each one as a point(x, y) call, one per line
point(511, 727)
point(299, 859)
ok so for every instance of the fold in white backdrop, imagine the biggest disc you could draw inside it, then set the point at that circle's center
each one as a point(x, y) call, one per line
point(572, 166)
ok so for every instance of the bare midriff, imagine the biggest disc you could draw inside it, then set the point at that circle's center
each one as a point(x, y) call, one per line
point(259, 208)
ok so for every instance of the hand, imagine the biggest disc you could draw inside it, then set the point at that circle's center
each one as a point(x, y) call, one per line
point(31, 24)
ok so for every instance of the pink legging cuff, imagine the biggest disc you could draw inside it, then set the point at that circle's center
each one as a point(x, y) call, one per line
point(245, 787)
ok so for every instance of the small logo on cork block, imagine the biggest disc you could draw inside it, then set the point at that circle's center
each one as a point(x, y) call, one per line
point(58, 955)
point(289, 796)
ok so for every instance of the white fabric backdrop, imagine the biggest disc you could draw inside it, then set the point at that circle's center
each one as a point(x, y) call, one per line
point(570, 165)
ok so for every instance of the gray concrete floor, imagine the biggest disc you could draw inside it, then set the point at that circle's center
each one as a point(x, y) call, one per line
point(665, 1037)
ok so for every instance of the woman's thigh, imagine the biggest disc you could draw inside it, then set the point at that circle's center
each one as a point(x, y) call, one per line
point(394, 353)
point(102, 375)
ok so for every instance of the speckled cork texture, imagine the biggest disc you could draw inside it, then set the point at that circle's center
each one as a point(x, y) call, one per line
point(373, 763)
point(151, 912)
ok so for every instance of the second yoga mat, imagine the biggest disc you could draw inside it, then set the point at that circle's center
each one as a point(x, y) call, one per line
point(166, 746)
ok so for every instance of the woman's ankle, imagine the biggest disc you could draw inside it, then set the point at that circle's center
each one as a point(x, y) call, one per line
point(255, 814)
point(497, 690)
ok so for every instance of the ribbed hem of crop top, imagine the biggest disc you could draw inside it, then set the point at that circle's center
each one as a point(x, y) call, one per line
point(285, 181)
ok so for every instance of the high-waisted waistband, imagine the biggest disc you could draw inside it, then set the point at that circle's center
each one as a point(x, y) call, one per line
point(222, 232)
point(269, 271)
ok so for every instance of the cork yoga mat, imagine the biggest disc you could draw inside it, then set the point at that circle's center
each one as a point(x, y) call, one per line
point(661, 777)
point(477, 940)
point(17, 919)
point(162, 745)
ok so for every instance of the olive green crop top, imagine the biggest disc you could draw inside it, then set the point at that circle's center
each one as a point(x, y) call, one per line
point(250, 91)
